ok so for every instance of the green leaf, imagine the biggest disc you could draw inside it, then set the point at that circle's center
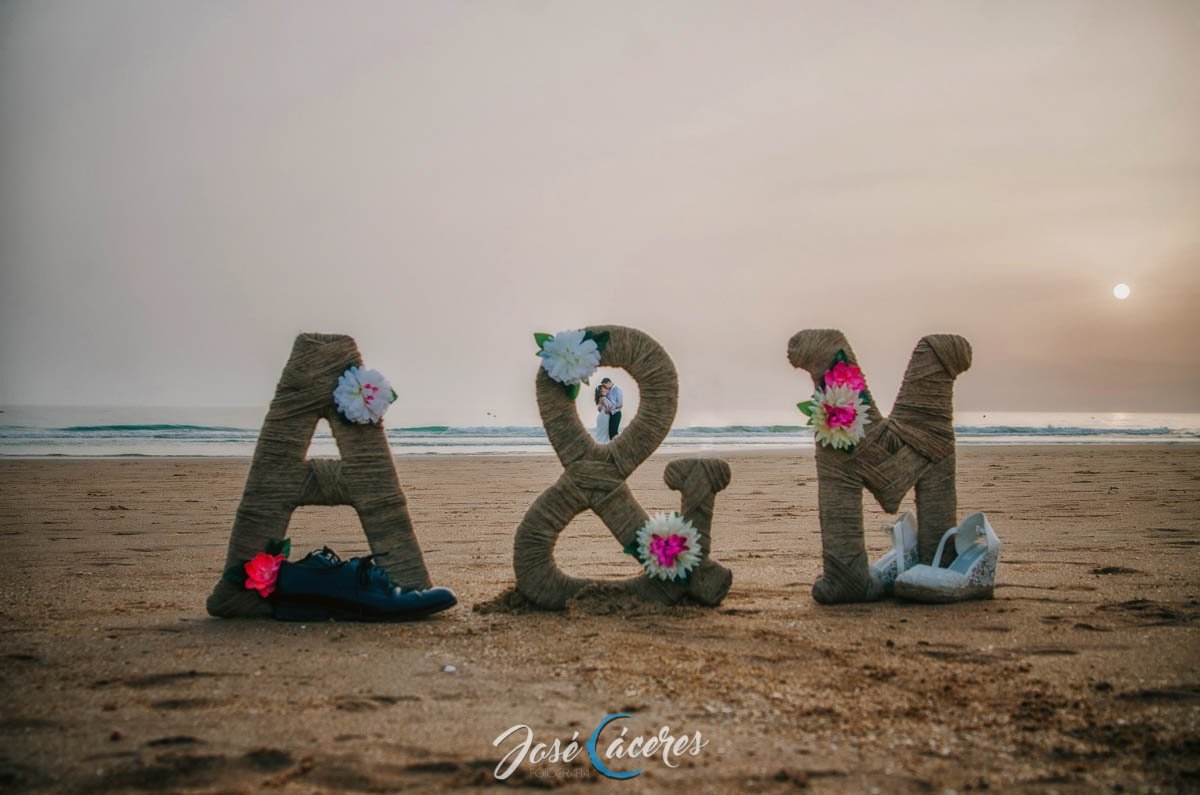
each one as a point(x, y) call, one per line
point(807, 408)
point(840, 358)
point(572, 391)
point(235, 575)
point(279, 547)
point(867, 397)
point(541, 338)
point(600, 339)
point(631, 548)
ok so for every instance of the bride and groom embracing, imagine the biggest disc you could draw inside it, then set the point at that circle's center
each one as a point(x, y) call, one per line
point(609, 402)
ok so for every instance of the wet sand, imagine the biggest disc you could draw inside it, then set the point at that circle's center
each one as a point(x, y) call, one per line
point(1081, 675)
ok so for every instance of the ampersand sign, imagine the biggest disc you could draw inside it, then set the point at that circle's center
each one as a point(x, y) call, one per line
point(594, 477)
point(912, 447)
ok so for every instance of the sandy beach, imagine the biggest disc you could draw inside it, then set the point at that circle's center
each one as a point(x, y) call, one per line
point(1081, 675)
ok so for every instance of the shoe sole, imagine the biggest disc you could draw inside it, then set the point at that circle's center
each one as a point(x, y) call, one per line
point(933, 596)
point(318, 611)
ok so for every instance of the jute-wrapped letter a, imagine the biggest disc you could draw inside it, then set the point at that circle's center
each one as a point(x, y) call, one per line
point(281, 477)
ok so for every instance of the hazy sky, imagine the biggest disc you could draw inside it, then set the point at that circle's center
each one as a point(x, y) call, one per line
point(185, 186)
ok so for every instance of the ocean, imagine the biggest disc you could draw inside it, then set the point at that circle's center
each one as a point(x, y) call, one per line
point(231, 432)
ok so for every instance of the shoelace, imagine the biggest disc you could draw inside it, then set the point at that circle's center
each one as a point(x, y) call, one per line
point(369, 572)
point(326, 552)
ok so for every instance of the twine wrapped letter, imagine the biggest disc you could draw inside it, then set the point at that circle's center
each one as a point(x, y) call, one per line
point(912, 447)
point(282, 479)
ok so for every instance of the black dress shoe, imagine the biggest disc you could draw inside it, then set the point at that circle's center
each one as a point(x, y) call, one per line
point(322, 586)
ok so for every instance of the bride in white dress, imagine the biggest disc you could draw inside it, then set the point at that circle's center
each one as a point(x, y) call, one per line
point(604, 407)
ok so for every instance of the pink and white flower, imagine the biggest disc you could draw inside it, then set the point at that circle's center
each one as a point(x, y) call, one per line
point(839, 416)
point(261, 572)
point(668, 546)
point(363, 396)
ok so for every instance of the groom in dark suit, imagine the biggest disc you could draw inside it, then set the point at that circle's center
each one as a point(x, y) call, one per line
point(617, 398)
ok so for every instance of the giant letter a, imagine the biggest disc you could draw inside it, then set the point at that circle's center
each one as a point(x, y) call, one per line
point(281, 478)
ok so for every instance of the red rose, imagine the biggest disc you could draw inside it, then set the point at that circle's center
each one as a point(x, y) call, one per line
point(261, 572)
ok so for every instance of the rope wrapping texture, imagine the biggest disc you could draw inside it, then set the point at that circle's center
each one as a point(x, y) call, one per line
point(282, 479)
point(913, 447)
point(594, 478)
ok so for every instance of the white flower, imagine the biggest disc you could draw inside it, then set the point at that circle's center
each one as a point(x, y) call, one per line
point(839, 415)
point(363, 395)
point(668, 546)
point(568, 358)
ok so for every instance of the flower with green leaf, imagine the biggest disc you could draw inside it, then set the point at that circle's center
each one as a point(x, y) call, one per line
point(260, 572)
point(837, 413)
point(667, 546)
point(571, 357)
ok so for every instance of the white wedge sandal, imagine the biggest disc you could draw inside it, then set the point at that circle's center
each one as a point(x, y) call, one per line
point(971, 575)
point(903, 554)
